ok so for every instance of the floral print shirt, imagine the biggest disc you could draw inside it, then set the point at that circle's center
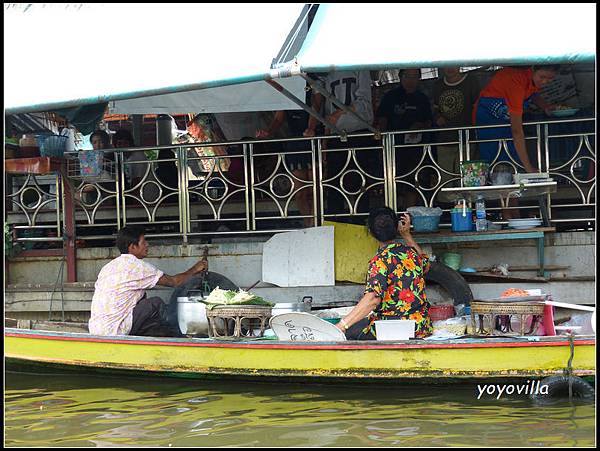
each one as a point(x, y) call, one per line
point(397, 275)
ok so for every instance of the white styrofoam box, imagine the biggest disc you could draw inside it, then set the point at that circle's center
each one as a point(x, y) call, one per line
point(300, 259)
point(395, 329)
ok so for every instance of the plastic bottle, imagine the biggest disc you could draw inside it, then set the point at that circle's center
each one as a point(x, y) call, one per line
point(480, 221)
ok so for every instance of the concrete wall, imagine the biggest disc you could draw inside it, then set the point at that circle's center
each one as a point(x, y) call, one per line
point(242, 263)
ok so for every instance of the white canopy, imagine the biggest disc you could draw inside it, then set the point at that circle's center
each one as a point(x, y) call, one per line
point(145, 58)
point(399, 35)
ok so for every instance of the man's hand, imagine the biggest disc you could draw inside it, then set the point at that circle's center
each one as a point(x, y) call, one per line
point(309, 133)
point(441, 121)
point(200, 267)
point(549, 109)
point(262, 133)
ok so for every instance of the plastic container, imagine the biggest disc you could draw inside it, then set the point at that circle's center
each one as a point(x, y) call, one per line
point(52, 145)
point(90, 162)
point(452, 260)
point(460, 222)
point(395, 329)
point(425, 219)
point(474, 172)
point(480, 221)
point(441, 312)
point(426, 223)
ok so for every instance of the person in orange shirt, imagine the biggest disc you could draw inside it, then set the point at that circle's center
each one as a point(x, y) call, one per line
point(503, 101)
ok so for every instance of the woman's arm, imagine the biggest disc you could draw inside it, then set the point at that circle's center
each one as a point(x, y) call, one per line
point(404, 231)
point(365, 306)
point(518, 135)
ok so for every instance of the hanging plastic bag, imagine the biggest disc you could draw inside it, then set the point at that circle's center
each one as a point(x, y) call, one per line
point(203, 129)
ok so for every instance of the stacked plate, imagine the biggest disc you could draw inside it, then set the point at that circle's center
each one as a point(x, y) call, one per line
point(525, 223)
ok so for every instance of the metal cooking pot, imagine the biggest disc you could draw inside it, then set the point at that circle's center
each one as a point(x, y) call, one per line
point(287, 307)
point(191, 315)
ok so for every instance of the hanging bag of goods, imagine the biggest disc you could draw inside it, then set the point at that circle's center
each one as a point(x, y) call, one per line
point(204, 129)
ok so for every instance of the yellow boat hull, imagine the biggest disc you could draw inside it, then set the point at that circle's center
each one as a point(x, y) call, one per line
point(467, 358)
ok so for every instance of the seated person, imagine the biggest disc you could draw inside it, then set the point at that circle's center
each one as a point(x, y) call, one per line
point(120, 305)
point(406, 108)
point(134, 172)
point(395, 281)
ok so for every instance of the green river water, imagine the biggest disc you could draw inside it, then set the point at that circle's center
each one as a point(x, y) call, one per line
point(43, 410)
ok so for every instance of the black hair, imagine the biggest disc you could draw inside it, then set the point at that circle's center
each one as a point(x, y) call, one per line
point(104, 136)
point(125, 134)
point(551, 67)
point(383, 224)
point(128, 235)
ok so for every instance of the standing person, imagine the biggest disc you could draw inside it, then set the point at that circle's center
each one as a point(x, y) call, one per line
point(299, 164)
point(395, 286)
point(119, 304)
point(406, 108)
point(353, 89)
point(454, 96)
point(503, 101)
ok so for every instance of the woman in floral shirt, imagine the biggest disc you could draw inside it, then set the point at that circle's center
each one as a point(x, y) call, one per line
point(395, 286)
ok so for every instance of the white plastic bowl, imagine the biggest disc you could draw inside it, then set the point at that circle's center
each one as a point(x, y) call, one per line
point(395, 329)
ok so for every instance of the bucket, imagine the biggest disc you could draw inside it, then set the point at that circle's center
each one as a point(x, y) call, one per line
point(452, 260)
point(426, 223)
point(90, 162)
point(461, 223)
point(441, 312)
point(395, 329)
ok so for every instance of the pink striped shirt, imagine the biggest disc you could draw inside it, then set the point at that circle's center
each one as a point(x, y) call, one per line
point(120, 285)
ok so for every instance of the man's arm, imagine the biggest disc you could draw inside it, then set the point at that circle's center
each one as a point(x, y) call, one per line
point(178, 279)
point(317, 101)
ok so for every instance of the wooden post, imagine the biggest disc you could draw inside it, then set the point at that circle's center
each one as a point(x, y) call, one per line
point(69, 227)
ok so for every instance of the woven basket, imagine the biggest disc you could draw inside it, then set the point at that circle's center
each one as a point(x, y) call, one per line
point(239, 322)
point(505, 311)
point(512, 308)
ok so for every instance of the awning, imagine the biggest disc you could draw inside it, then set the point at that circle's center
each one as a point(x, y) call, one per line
point(69, 55)
point(387, 36)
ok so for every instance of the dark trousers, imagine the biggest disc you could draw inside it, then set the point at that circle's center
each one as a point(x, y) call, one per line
point(149, 319)
point(355, 332)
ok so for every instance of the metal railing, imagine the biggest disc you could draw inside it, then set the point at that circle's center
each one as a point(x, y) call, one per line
point(256, 188)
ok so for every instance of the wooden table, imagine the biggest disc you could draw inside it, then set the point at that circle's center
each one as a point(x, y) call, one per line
point(36, 165)
point(447, 236)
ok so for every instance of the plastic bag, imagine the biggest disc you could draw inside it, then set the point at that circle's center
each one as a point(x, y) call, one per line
point(204, 129)
point(424, 211)
point(451, 327)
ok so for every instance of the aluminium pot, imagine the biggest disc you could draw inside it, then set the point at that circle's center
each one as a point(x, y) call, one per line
point(288, 307)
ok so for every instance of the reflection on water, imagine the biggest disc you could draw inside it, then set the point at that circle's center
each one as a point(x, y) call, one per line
point(84, 410)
